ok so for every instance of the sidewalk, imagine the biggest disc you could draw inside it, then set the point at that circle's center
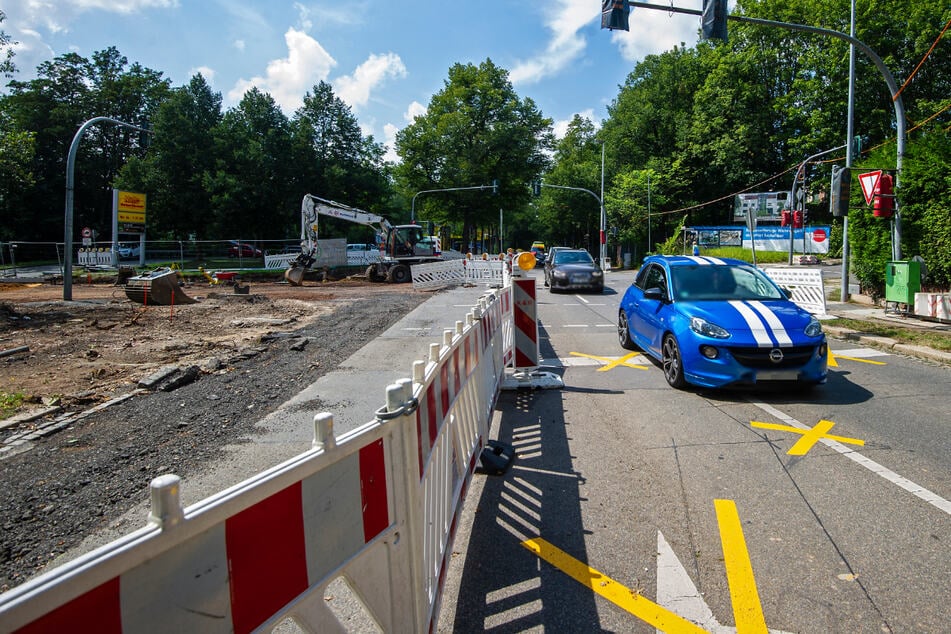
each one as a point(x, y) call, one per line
point(863, 311)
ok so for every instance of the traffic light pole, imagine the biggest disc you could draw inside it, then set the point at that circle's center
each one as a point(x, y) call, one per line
point(412, 212)
point(794, 192)
point(603, 244)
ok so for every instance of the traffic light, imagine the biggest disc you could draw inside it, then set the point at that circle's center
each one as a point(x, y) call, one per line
point(841, 188)
point(713, 20)
point(784, 218)
point(614, 14)
point(884, 197)
point(859, 145)
point(536, 187)
point(797, 219)
point(495, 186)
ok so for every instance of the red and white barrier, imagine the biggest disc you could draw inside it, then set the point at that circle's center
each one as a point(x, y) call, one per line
point(377, 507)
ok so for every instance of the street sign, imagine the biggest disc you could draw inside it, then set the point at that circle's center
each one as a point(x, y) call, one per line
point(869, 182)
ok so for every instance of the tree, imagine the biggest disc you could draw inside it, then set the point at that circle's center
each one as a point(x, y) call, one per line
point(571, 217)
point(182, 153)
point(475, 130)
point(6, 51)
point(249, 188)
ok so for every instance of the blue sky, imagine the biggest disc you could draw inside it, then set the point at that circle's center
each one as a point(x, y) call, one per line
point(383, 58)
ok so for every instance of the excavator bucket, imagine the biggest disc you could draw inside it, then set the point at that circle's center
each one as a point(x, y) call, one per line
point(295, 274)
point(157, 287)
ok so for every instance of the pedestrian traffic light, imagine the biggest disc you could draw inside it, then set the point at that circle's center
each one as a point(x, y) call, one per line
point(614, 14)
point(713, 20)
point(784, 218)
point(797, 219)
point(884, 196)
point(841, 188)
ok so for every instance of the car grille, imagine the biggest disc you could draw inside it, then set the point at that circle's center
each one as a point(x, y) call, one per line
point(758, 358)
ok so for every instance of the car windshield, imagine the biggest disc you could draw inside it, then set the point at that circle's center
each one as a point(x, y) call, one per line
point(719, 282)
point(572, 257)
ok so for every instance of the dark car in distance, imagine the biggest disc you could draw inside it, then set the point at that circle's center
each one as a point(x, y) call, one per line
point(573, 269)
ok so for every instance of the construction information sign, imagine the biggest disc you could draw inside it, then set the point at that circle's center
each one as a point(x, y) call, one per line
point(130, 207)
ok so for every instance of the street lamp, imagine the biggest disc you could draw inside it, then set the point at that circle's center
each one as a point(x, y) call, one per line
point(70, 169)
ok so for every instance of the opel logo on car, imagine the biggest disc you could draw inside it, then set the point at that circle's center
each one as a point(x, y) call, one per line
point(776, 355)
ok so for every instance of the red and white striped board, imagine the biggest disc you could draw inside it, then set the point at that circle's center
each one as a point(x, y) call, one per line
point(526, 323)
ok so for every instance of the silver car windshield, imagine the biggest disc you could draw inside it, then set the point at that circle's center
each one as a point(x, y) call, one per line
point(719, 282)
point(573, 257)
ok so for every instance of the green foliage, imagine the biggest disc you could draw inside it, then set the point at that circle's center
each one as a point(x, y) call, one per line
point(9, 403)
point(475, 130)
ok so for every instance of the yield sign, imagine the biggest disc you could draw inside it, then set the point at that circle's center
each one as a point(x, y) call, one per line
point(869, 182)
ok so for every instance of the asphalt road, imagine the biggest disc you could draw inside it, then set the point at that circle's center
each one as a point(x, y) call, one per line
point(692, 501)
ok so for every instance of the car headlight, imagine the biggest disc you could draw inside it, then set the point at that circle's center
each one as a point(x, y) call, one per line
point(707, 329)
point(559, 274)
point(596, 274)
point(814, 329)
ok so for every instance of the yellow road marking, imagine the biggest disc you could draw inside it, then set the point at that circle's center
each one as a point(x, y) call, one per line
point(834, 363)
point(623, 597)
point(809, 436)
point(610, 362)
point(747, 609)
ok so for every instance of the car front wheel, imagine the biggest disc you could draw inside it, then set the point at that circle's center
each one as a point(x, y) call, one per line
point(673, 363)
point(624, 332)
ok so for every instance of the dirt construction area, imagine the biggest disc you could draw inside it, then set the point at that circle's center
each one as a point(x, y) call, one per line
point(102, 394)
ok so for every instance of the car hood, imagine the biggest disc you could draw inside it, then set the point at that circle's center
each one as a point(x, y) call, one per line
point(761, 323)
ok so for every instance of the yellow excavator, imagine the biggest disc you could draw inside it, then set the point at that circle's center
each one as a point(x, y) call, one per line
point(401, 246)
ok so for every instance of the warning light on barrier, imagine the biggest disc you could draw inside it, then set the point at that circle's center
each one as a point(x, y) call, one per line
point(526, 260)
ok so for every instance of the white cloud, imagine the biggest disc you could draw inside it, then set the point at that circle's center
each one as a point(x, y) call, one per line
point(239, 44)
point(414, 110)
point(653, 32)
point(389, 140)
point(564, 20)
point(287, 79)
point(355, 89)
point(204, 71)
point(561, 127)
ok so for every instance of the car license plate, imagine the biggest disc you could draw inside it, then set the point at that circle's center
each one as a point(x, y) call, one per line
point(579, 279)
point(777, 375)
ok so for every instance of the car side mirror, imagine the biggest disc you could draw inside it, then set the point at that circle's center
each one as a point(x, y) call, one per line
point(655, 293)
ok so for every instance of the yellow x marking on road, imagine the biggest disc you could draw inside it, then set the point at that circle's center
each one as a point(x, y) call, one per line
point(809, 436)
point(613, 362)
point(834, 360)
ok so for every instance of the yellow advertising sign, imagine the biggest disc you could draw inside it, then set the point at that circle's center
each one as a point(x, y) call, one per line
point(131, 207)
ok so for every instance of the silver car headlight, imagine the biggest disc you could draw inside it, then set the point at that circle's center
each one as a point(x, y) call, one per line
point(596, 274)
point(559, 274)
point(708, 329)
point(814, 329)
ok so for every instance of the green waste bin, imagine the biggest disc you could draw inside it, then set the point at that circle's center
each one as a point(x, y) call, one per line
point(902, 281)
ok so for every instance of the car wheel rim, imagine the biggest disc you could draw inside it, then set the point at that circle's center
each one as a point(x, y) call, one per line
point(671, 360)
point(622, 328)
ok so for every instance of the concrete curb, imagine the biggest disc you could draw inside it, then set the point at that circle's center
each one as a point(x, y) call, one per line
point(886, 343)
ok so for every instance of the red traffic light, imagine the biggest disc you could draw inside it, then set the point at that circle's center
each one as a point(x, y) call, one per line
point(784, 218)
point(797, 219)
point(884, 195)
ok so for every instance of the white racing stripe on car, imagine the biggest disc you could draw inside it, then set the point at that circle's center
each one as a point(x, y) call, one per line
point(705, 259)
point(759, 329)
point(779, 331)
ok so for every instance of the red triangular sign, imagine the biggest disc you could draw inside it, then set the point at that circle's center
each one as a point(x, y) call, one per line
point(869, 182)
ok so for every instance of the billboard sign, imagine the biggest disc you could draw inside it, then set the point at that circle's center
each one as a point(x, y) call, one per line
point(130, 207)
point(763, 206)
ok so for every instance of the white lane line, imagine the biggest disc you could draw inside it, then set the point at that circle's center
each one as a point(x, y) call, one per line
point(861, 353)
point(917, 490)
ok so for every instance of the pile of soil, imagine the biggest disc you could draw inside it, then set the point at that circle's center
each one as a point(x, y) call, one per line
point(98, 437)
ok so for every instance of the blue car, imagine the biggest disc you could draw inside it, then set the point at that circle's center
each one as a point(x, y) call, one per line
point(714, 322)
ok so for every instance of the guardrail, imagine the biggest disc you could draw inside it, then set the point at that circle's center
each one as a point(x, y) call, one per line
point(376, 507)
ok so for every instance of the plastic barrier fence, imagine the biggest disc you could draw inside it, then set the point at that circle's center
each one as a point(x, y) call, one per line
point(933, 305)
point(455, 272)
point(806, 286)
point(95, 257)
point(377, 508)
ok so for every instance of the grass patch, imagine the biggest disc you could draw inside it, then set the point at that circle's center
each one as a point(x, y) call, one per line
point(9, 403)
point(938, 340)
